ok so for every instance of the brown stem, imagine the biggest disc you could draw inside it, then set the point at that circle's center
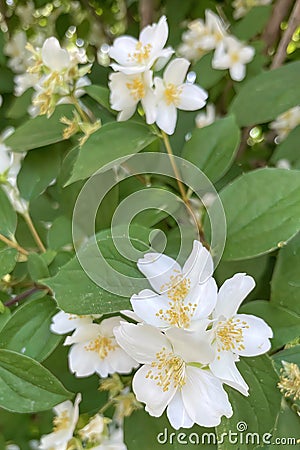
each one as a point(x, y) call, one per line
point(271, 33)
point(146, 9)
point(34, 233)
point(293, 23)
point(23, 296)
point(13, 244)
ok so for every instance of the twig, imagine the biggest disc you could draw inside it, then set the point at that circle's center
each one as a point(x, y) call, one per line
point(146, 9)
point(34, 233)
point(13, 244)
point(23, 296)
point(293, 23)
point(271, 33)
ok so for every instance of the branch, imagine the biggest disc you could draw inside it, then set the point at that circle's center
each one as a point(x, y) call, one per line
point(146, 10)
point(272, 31)
point(24, 295)
point(293, 23)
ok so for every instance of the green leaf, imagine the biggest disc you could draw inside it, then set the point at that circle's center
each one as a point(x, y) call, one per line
point(286, 428)
point(253, 23)
point(8, 217)
point(40, 167)
point(213, 148)
point(291, 354)
point(26, 386)
point(40, 131)
point(6, 80)
point(207, 77)
point(101, 95)
point(285, 285)
point(259, 410)
point(284, 323)
point(37, 267)
point(159, 434)
point(262, 210)
point(28, 329)
point(8, 259)
point(111, 141)
point(75, 291)
point(60, 233)
point(4, 317)
point(289, 149)
point(267, 95)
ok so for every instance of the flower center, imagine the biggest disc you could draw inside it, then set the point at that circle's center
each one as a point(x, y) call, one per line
point(62, 421)
point(172, 94)
point(169, 369)
point(136, 88)
point(177, 288)
point(230, 335)
point(141, 54)
point(235, 57)
point(102, 345)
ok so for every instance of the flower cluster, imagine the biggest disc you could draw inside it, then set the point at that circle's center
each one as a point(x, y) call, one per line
point(133, 82)
point(211, 34)
point(242, 7)
point(95, 435)
point(286, 122)
point(187, 339)
point(58, 75)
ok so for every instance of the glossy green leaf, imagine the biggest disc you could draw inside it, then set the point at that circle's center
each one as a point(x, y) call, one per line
point(284, 323)
point(75, 291)
point(101, 95)
point(40, 131)
point(291, 355)
point(253, 22)
point(259, 410)
point(289, 149)
point(26, 386)
point(213, 148)
point(110, 142)
point(8, 217)
point(8, 259)
point(39, 169)
point(262, 210)
point(37, 267)
point(267, 95)
point(28, 329)
point(207, 77)
point(285, 285)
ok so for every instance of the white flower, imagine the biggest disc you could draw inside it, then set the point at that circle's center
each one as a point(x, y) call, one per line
point(286, 122)
point(191, 47)
point(173, 375)
point(235, 335)
point(53, 56)
point(233, 55)
point(135, 56)
point(96, 350)
point(172, 94)
point(25, 81)
point(94, 429)
point(242, 7)
point(64, 425)
point(128, 90)
point(15, 49)
point(206, 118)
point(185, 295)
point(63, 323)
point(215, 31)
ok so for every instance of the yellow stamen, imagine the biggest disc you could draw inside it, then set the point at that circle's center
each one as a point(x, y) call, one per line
point(289, 383)
point(102, 345)
point(172, 94)
point(230, 335)
point(141, 54)
point(62, 421)
point(136, 88)
point(170, 370)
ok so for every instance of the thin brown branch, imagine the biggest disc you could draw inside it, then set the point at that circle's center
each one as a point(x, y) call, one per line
point(13, 244)
point(271, 33)
point(24, 295)
point(293, 23)
point(146, 10)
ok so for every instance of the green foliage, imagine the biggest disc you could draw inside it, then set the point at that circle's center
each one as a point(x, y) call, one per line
point(8, 217)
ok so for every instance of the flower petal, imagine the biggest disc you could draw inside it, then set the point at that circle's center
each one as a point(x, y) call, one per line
point(177, 414)
point(166, 117)
point(63, 323)
point(205, 297)
point(82, 362)
point(158, 269)
point(256, 335)
point(192, 97)
point(190, 346)
point(176, 71)
point(122, 48)
point(224, 368)
point(146, 306)
point(199, 266)
point(237, 71)
point(204, 397)
point(147, 391)
point(55, 57)
point(141, 341)
point(232, 293)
